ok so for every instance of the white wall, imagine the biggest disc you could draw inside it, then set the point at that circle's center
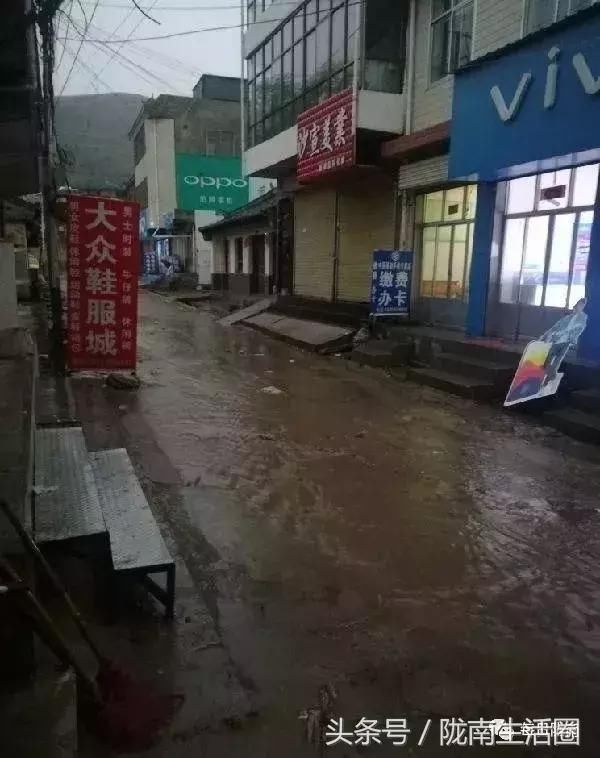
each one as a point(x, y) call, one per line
point(158, 168)
point(497, 23)
point(204, 256)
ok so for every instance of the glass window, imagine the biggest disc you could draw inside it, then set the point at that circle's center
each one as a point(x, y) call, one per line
point(440, 47)
point(260, 102)
point(276, 98)
point(433, 206)
point(512, 254)
point(557, 184)
point(442, 262)
point(541, 13)
point(298, 68)
point(428, 260)
point(534, 260)
point(459, 260)
point(251, 11)
point(288, 84)
point(268, 91)
point(322, 62)
point(259, 59)
point(311, 15)
point(251, 67)
point(268, 52)
point(287, 35)
point(454, 204)
point(299, 25)
point(353, 25)
point(277, 45)
point(311, 60)
point(560, 261)
point(338, 35)
point(580, 260)
point(471, 201)
point(521, 195)
point(585, 185)
point(451, 36)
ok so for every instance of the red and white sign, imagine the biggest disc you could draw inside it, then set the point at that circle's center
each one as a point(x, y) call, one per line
point(102, 258)
point(327, 137)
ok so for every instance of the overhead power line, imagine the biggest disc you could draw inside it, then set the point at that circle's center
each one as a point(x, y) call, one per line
point(190, 32)
point(87, 26)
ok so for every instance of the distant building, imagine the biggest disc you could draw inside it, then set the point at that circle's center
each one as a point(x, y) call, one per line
point(188, 172)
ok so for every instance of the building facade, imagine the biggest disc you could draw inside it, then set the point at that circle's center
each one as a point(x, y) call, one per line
point(325, 90)
point(444, 209)
point(187, 171)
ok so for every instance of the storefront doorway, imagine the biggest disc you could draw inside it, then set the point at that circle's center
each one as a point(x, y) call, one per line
point(445, 223)
point(544, 252)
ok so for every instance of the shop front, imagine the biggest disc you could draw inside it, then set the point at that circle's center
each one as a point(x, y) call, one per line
point(525, 129)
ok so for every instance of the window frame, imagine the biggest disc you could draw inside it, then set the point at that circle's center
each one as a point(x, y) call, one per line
point(526, 30)
point(467, 219)
point(292, 101)
point(455, 5)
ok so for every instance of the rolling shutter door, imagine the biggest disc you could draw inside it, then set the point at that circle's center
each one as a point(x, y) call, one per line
point(366, 217)
point(314, 218)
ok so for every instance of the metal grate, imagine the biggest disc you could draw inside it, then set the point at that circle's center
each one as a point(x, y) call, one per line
point(135, 539)
point(66, 498)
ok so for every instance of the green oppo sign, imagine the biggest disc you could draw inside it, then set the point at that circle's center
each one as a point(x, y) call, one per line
point(210, 183)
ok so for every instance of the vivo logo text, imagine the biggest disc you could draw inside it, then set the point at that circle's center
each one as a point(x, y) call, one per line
point(508, 111)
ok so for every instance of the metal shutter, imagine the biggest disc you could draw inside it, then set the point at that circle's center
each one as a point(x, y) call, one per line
point(423, 173)
point(314, 220)
point(366, 222)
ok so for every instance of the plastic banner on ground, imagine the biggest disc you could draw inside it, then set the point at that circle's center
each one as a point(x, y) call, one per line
point(538, 374)
point(102, 257)
point(391, 280)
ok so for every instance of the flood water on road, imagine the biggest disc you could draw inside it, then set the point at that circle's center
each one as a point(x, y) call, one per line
point(429, 556)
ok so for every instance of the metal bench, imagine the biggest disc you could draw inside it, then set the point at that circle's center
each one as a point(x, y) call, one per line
point(136, 544)
point(66, 503)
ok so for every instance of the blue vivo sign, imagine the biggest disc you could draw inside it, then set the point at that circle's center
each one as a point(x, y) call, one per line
point(536, 102)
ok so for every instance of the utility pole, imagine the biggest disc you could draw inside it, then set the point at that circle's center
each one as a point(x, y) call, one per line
point(45, 19)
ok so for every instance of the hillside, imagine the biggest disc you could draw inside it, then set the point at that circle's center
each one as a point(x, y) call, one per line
point(93, 129)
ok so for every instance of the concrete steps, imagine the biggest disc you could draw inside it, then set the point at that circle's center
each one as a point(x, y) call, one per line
point(382, 353)
point(586, 400)
point(576, 423)
point(456, 384)
point(487, 370)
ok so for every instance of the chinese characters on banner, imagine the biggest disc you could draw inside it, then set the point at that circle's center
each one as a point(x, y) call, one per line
point(327, 137)
point(391, 277)
point(102, 256)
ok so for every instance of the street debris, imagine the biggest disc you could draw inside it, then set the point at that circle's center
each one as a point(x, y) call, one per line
point(123, 381)
point(316, 718)
point(271, 390)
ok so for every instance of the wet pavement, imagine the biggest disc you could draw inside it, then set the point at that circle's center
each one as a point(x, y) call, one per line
point(428, 556)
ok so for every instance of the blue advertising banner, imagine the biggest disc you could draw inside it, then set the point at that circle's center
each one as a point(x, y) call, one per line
point(391, 279)
point(537, 100)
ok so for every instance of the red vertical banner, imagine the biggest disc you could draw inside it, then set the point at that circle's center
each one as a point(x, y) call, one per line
point(102, 257)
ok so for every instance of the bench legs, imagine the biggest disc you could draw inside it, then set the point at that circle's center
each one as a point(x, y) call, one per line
point(166, 597)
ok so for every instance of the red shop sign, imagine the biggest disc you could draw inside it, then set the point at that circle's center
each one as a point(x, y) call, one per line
point(327, 137)
point(102, 258)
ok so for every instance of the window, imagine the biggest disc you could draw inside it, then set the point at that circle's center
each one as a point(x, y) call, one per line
point(221, 143)
point(251, 11)
point(547, 231)
point(447, 242)
point(451, 36)
point(306, 59)
point(541, 13)
point(239, 255)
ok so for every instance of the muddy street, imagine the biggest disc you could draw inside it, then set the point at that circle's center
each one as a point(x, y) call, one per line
point(428, 556)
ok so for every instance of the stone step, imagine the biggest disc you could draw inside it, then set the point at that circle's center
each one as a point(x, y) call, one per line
point(382, 353)
point(480, 368)
point(484, 350)
point(576, 423)
point(586, 400)
point(457, 384)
